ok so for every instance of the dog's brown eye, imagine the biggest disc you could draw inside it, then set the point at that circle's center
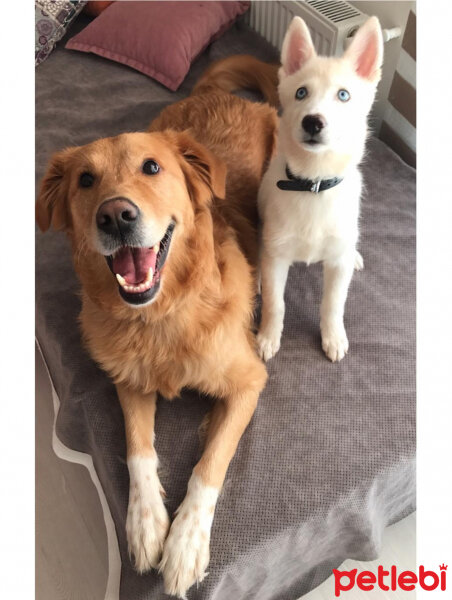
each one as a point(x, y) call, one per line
point(86, 180)
point(150, 167)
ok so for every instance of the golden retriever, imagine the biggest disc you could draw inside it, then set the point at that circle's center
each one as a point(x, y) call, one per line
point(163, 232)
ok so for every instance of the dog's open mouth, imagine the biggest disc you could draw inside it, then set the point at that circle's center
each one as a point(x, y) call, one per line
point(138, 270)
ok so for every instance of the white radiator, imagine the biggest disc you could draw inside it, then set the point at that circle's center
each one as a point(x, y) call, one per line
point(330, 22)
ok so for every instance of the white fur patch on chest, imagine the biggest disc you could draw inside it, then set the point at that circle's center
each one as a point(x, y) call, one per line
point(305, 226)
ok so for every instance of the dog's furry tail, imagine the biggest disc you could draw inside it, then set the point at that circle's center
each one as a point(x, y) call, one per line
point(240, 72)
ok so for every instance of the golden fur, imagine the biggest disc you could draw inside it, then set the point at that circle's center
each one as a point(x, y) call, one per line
point(214, 149)
point(205, 304)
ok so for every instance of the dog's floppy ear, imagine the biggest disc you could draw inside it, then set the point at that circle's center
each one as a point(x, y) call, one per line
point(297, 47)
point(205, 173)
point(366, 50)
point(51, 205)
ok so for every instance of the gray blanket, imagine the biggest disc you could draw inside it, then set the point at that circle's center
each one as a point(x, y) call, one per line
point(328, 459)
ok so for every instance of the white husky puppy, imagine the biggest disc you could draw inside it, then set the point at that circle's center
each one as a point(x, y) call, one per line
point(309, 197)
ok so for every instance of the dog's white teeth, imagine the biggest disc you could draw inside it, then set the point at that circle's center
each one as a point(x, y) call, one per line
point(136, 287)
point(121, 280)
point(156, 248)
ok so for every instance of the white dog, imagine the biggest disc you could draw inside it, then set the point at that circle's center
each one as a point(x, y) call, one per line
point(309, 197)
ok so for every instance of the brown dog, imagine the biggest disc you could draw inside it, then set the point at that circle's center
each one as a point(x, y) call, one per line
point(163, 231)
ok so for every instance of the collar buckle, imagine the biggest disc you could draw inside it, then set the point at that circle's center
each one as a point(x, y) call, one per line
point(315, 187)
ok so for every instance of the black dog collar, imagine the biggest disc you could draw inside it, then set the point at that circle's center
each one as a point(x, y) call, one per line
point(298, 184)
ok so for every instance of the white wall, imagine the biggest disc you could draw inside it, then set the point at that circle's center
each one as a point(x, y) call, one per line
point(391, 13)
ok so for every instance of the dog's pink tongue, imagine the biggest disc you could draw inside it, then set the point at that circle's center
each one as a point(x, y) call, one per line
point(134, 263)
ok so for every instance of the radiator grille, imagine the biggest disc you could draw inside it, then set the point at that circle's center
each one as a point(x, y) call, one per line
point(334, 10)
point(330, 22)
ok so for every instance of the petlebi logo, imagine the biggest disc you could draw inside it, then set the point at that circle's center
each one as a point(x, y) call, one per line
point(389, 579)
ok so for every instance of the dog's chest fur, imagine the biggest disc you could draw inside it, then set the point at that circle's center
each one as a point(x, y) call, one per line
point(305, 226)
point(147, 356)
point(192, 346)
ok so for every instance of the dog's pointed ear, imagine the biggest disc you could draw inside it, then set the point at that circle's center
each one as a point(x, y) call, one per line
point(51, 205)
point(297, 47)
point(366, 50)
point(204, 172)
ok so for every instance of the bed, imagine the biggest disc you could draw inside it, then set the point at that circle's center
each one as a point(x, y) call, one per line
point(328, 459)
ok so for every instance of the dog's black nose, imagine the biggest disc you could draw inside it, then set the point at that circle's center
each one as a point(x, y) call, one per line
point(313, 124)
point(117, 216)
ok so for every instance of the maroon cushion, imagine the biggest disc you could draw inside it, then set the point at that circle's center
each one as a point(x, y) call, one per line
point(160, 39)
point(93, 9)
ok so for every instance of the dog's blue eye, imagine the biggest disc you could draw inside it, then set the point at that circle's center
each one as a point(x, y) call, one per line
point(301, 93)
point(150, 167)
point(86, 180)
point(343, 95)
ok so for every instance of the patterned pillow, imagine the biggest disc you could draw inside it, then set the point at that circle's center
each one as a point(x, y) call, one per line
point(52, 19)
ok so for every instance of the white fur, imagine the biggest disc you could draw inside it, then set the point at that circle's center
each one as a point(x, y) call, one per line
point(147, 519)
point(309, 227)
point(186, 550)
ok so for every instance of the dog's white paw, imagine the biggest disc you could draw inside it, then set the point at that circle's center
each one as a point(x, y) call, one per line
point(359, 262)
point(186, 551)
point(268, 344)
point(335, 343)
point(185, 555)
point(147, 521)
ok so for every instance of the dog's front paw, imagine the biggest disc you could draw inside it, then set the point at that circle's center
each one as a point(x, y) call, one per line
point(268, 344)
point(359, 262)
point(146, 527)
point(186, 551)
point(147, 522)
point(334, 343)
point(185, 555)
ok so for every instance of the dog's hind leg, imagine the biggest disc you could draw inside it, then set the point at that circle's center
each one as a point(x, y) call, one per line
point(147, 521)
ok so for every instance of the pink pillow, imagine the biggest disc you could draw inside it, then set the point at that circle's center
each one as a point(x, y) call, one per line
point(160, 39)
